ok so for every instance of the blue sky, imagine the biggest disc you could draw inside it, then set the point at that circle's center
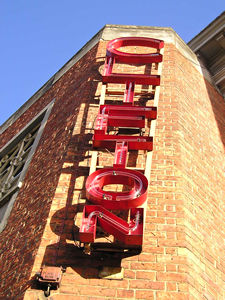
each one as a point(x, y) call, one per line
point(39, 36)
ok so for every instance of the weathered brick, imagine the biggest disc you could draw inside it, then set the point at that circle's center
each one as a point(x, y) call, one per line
point(144, 284)
point(144, 294)
point(171, 296)
point(147, 266)
point(171, 286)
point(125, 294)
point(146, 275)
point(168, 276)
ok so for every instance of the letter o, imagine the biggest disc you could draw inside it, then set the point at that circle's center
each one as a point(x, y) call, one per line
point(120, 56)
point(136, 196)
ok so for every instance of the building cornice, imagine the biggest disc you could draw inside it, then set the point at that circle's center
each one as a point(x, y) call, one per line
point(208, 33)
point(209, 45)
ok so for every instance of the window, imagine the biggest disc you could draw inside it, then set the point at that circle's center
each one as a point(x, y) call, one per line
point(15, 157)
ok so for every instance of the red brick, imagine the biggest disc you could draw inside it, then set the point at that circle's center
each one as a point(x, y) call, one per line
point(168, 276)
point(146, 257)
point(147, 266)
point(144, 294)
point(97, 291)
point(171, 296)
point(144, 284)
point(129, 274)
point(66, 297)
point(171, 286)
point(146, 275)
point(125, 294)
point(69, 279)
point(171, 267)
point(159, 250)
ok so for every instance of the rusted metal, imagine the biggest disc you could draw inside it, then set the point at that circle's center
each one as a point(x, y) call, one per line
point(49, 278)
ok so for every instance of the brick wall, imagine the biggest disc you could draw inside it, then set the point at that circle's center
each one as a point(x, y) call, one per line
point(182, 255)
point(22, 236)
point(201, 132)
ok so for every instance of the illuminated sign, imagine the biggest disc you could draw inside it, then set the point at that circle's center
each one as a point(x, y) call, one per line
point(126, 115)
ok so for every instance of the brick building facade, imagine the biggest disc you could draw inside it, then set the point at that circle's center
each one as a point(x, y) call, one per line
point(182, 256)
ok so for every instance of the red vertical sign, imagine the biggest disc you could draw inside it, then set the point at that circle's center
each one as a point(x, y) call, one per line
point(125, 115)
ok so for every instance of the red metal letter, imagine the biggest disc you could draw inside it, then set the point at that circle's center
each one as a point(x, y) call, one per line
point(129, 233)
point(136, 195)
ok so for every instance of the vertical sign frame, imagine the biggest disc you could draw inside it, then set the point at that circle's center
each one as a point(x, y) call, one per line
point(130, 116)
